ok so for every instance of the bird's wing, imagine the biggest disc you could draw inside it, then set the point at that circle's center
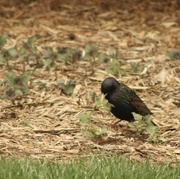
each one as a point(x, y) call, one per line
point(134, 100)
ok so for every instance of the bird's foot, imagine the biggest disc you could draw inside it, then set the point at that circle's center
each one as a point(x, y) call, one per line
point(123, 128)
point(118, 127)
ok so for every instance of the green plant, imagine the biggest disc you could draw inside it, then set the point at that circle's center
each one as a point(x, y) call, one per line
point(16, 84)
point(29, 53)
point(90, 130)
point(29, 45)
point(91, 53)
point(145, 123)
point(136, 67)
point(49, 58)
point(3, 40)
point(94, 166)
point(6, 54)
point(67, 87)
point(115, 68)
point(63, 54)
point(101, 102)
point(41, 85)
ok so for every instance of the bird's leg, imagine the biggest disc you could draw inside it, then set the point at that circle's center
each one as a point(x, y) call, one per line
point(115, 126)
point(124, 128)
point(112, 125)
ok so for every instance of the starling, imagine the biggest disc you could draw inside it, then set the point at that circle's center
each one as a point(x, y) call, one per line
point(123, 99)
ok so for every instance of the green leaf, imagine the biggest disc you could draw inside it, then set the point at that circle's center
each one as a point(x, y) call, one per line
point(151, 129)
point(61, 84)
point(114, 54)
point(8, 93)
point(41, 85)
point(25, 89)
point(22, 50)
point(25, 77)
point(131, 125)
point(17, 84)
point(84, 119)
point(62, 57)
point(48, 53)
point(102, 102)
point(13, 52)
point(115, 68)
point(91, 50)
point(67, 87)
point(47, 63)
point(31, 40)
point(89, 134)
point(10, 78)
point(70, 87)
point(102, 131)
point(137, 117)
point(3, 40)
point(2, 59)
point(18, 92)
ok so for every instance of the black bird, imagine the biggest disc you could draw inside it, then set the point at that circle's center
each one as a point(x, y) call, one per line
point(123, 99)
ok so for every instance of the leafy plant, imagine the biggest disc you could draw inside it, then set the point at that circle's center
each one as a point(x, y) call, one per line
point(7, 55)
point(145, 123)
point(136, 68)
point(3, 40)
point(68, 55)
point(90, 130)
point(29, 45)
point(91, 53)
point(28, 53)
point(114, 54)
point(16, 85)
point(115, 68)
point(50, 57)
point(41, 85)
point(67, 87)
point(101, 102)
point(63, 54)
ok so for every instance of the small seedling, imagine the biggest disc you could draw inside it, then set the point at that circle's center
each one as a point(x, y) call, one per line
point(101, 102)
point(41, 85)
point(29, 45)
point(67, 87)
point(7, 55)
point(3, 40)
point(115, 68)
point(68, 55)
point(64, 55)
point(16, 84)
point(28, 53)
point(145, 123)
point(90, 130)
point(91, 53)
point(136, 68)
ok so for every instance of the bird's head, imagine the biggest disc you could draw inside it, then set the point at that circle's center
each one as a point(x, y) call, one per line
point(109, 85)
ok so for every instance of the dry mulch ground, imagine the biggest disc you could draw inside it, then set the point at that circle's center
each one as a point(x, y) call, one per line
point(45, 123)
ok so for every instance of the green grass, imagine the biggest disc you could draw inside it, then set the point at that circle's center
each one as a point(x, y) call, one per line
point(90, 168)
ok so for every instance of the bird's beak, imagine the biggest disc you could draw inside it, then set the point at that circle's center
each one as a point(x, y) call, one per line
point(102, 97)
